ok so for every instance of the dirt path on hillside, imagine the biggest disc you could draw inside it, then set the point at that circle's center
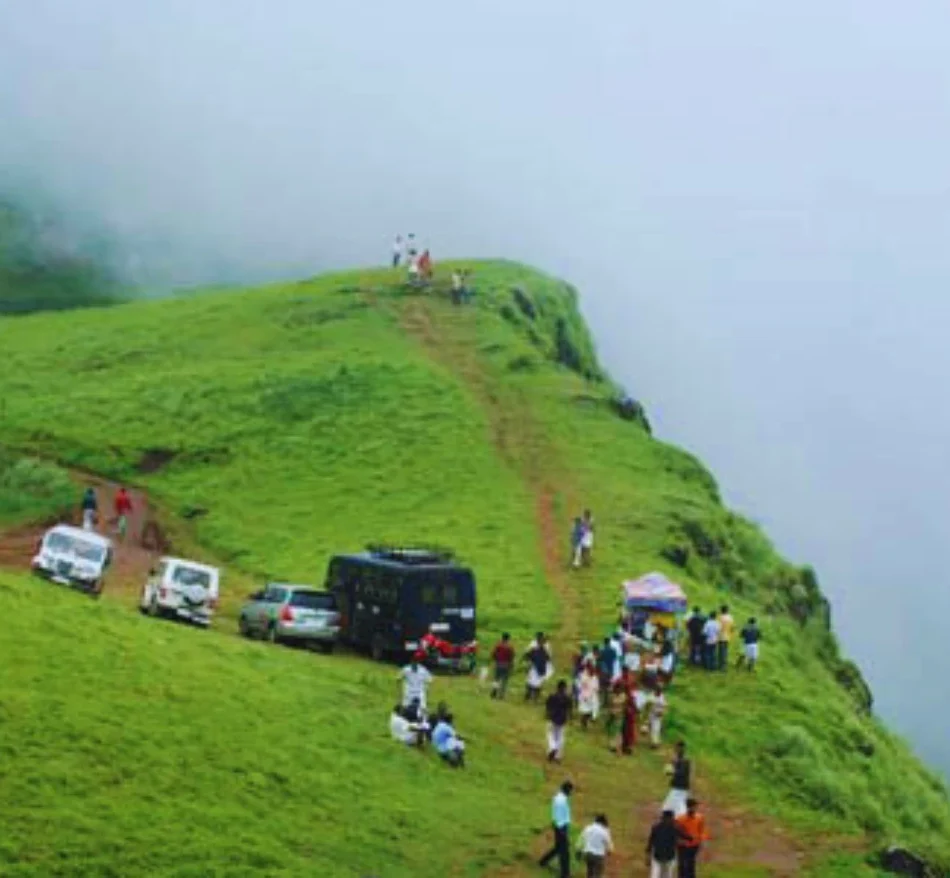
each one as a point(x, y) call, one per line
point(134, 555)
point(630, 789)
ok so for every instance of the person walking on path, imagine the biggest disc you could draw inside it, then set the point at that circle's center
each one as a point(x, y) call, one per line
point(627, 686)
point(661, 846)
point(561, 825)
point(595, 845)
point(693, 825)
point(503, 655)
point(680, 771)
point(694, 626)
point(727, 627)
point(606, 663)
point(587, 538)
point(657, 710)
point(123, 509)
point(415, 683)
point(90, 508)
point(538, 658)
point(588, 695)
point(711, 635)
point(750, 645)
point(558, 709)
point(577, 537)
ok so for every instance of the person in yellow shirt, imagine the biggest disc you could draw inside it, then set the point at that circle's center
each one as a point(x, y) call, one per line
point(727, 627)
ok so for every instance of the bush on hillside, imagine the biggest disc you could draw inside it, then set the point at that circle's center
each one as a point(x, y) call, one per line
point(41, 271)
point(32, 489)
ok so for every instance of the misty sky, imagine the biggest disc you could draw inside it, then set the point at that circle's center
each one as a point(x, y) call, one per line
point(754, 199)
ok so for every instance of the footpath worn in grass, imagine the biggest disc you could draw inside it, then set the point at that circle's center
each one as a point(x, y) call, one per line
point(288, 423)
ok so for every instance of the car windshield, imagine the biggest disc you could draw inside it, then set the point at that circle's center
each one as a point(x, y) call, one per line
point(66, 544)
point(313, 600)
point(191, 576)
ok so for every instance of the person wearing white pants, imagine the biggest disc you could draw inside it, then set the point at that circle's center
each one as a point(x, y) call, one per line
point(558, 708)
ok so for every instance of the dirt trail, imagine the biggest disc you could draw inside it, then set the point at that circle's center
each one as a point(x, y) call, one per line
point(134, 555)
point(630, 788)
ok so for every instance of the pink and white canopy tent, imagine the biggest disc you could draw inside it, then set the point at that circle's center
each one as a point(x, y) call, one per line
point(654, 593)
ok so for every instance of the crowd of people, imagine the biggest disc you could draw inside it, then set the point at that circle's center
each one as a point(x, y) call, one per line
point(620, 684)
point(420, 271)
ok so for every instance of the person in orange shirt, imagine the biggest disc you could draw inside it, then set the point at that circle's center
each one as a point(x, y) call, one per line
point(693, 825)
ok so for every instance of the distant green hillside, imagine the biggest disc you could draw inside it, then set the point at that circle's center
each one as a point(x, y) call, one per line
point(290, 422)
point(40, 272)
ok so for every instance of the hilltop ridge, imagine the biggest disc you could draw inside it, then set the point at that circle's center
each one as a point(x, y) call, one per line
point(275, 426)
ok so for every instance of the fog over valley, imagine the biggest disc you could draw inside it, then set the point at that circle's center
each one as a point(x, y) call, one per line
point(753, 199)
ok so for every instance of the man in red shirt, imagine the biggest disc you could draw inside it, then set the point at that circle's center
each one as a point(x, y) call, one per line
point(503, 655)
point(123, 509)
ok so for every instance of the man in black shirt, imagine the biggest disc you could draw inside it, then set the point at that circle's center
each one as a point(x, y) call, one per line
point(558, 709)
point(661, 846)
point(695, 627)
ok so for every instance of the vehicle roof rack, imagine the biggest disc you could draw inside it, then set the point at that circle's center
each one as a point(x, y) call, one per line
point(412, 554)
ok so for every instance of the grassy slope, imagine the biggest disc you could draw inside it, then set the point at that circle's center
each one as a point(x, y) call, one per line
point(315, 417)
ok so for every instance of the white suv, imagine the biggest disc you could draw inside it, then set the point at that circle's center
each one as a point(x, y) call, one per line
point(181, 589)
point(74, 557)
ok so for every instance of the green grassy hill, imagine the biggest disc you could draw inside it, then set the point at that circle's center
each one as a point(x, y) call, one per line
point(276, 426)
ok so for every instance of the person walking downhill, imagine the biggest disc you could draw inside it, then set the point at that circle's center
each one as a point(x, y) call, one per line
point(727, 627)
point(606, 664)
point(588, 695)
point(558, 710)
point(561, 825)
point(693, 825)
point(415, 681)
point(90, 508)
point(657, 710)
point(595, 845)
point(503, 655)
point(661, 846)
point(750, 645)
point(587, 538)
point(711, 635)
point(577, 537)
point(538, 658)
point(123, 509)
point(680, 771)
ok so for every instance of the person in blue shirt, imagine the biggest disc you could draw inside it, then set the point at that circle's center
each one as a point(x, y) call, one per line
point(561, 824)
point(447, 743)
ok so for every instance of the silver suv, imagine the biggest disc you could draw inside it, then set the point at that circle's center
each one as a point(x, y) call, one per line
point(292, 613)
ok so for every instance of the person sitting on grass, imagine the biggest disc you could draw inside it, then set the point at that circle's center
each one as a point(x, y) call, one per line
point(409, 732)
point(449, 746)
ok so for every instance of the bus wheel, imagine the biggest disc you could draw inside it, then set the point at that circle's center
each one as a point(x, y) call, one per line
point(378, 649)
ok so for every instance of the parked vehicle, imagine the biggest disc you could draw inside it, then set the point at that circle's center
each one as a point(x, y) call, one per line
point(395, 602)
point(73, 557)
point(292, 614)
point(181, 589)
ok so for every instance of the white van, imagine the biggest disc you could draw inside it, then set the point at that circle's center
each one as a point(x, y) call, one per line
point(74, 557)
point(181, 589)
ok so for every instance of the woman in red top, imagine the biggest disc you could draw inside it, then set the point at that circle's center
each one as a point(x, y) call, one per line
point(123, 509)
point(626, 687)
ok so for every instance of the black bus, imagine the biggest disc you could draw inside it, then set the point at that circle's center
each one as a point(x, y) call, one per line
point(399, 602)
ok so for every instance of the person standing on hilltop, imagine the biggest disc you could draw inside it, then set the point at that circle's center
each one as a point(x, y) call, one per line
point(503, 655)
point(398, 248)
point(90, 507)
point(727, 626)
point(561, 824)
point(750, 645)
point(123, 509)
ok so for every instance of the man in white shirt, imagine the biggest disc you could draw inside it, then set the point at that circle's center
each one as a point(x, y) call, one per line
point(594, 845)
point(403, 730)
point(415, 683)
point(397, 251)
point(711, 637)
